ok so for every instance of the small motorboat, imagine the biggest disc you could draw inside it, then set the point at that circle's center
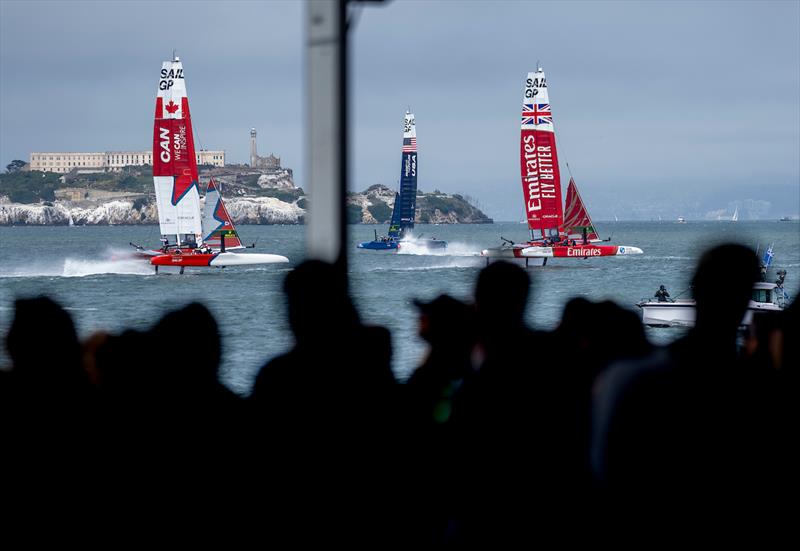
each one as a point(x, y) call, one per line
point(766, 297)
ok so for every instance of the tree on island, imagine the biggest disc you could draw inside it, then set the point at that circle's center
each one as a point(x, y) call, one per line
point(15, 166)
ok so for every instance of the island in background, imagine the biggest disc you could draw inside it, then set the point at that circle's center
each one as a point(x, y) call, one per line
point(252, 195)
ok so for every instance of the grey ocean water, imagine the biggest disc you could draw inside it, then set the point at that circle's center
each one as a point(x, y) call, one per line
point(86, 269)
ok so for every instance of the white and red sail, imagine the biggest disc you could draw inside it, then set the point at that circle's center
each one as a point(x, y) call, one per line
point(174, 163)
point(557, 230)
point(217, 222)
point(541, 180)
point(576, 217)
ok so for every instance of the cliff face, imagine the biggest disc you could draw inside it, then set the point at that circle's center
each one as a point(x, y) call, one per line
point(258, 210)
point(264, 210)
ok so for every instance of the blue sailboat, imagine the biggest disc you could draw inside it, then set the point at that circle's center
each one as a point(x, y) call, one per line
point(387, 242)
point(405, 202)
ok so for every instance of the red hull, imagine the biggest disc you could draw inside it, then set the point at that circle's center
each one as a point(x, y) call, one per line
point(585, 251)
point(183, 259)
point(563, 251)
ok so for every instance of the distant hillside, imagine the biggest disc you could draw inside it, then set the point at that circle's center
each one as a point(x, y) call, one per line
point(374, 206)
point(253, 196)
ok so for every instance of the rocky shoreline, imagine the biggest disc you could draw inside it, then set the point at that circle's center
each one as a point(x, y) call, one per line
point(370, 207)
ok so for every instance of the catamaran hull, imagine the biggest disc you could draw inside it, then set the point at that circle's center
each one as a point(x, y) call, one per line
point(378, 245)
point(434, 244)
point(216, 259)
point(580, 251)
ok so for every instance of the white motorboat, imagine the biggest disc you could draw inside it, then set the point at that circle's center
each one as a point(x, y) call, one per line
point(766, 297)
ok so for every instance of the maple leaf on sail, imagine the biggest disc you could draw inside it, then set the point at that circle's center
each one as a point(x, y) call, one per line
point(171, 107)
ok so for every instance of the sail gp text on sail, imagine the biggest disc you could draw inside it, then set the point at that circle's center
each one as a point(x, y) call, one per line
point(539, 174)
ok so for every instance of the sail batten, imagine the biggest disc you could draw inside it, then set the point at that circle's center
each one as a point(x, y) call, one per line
point(541, 183)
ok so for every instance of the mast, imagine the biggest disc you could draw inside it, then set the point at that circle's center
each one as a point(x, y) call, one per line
point(541, 179)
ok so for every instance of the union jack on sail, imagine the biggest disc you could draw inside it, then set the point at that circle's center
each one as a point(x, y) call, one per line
point(536, 113)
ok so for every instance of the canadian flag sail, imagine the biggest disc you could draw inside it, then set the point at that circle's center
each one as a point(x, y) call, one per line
point(541, 180)
point(576, 217)
point(174, 163)
point(217, 222)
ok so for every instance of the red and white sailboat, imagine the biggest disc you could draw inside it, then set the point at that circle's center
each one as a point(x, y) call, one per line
point(188, 237)
point(556, 229)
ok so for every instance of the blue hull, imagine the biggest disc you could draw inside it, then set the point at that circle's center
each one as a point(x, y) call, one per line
point(378, 245)
point(391, 245)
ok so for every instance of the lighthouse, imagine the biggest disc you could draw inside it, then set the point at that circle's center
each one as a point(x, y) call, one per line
point(253, 149)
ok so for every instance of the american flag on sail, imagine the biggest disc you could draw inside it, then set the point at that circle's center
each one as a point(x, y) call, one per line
point(536, 113)
point(409, 145)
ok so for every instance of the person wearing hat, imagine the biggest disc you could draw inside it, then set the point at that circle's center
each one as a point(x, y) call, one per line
point(662, 295)
point(448, 326)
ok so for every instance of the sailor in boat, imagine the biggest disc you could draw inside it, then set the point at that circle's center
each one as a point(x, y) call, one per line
point(662, 294)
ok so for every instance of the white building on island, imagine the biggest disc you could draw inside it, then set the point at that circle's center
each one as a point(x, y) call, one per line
point(108, 160)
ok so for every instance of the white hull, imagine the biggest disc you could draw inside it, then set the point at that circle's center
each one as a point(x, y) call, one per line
point(681, 313)
point(243, 259)
point(579, 251)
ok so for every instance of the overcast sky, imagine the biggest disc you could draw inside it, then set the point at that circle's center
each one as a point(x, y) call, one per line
point(658, 107)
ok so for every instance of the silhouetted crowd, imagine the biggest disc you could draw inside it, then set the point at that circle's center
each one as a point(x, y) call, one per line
point(504, 437)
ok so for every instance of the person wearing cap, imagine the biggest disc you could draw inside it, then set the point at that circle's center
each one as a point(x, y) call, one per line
point(662, 295)
point(448, 326)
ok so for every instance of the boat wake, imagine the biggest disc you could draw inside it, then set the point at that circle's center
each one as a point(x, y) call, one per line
point(80, 267)
point(113, 261)
point(453, 249)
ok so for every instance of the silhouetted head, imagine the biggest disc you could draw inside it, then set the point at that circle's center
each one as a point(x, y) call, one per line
point(42, 342)
point(722, 286)
point(318, 303)
point(594, 328)
point(121, 363)
point(446, 321)
point(187, 343)
point(614, 324)
point(576, 317)
point(501, 295)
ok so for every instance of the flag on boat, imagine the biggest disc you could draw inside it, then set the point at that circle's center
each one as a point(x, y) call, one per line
point(767, 257)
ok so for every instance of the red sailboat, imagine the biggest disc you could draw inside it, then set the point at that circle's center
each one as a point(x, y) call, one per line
point(556, 229)
point(188, 237)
